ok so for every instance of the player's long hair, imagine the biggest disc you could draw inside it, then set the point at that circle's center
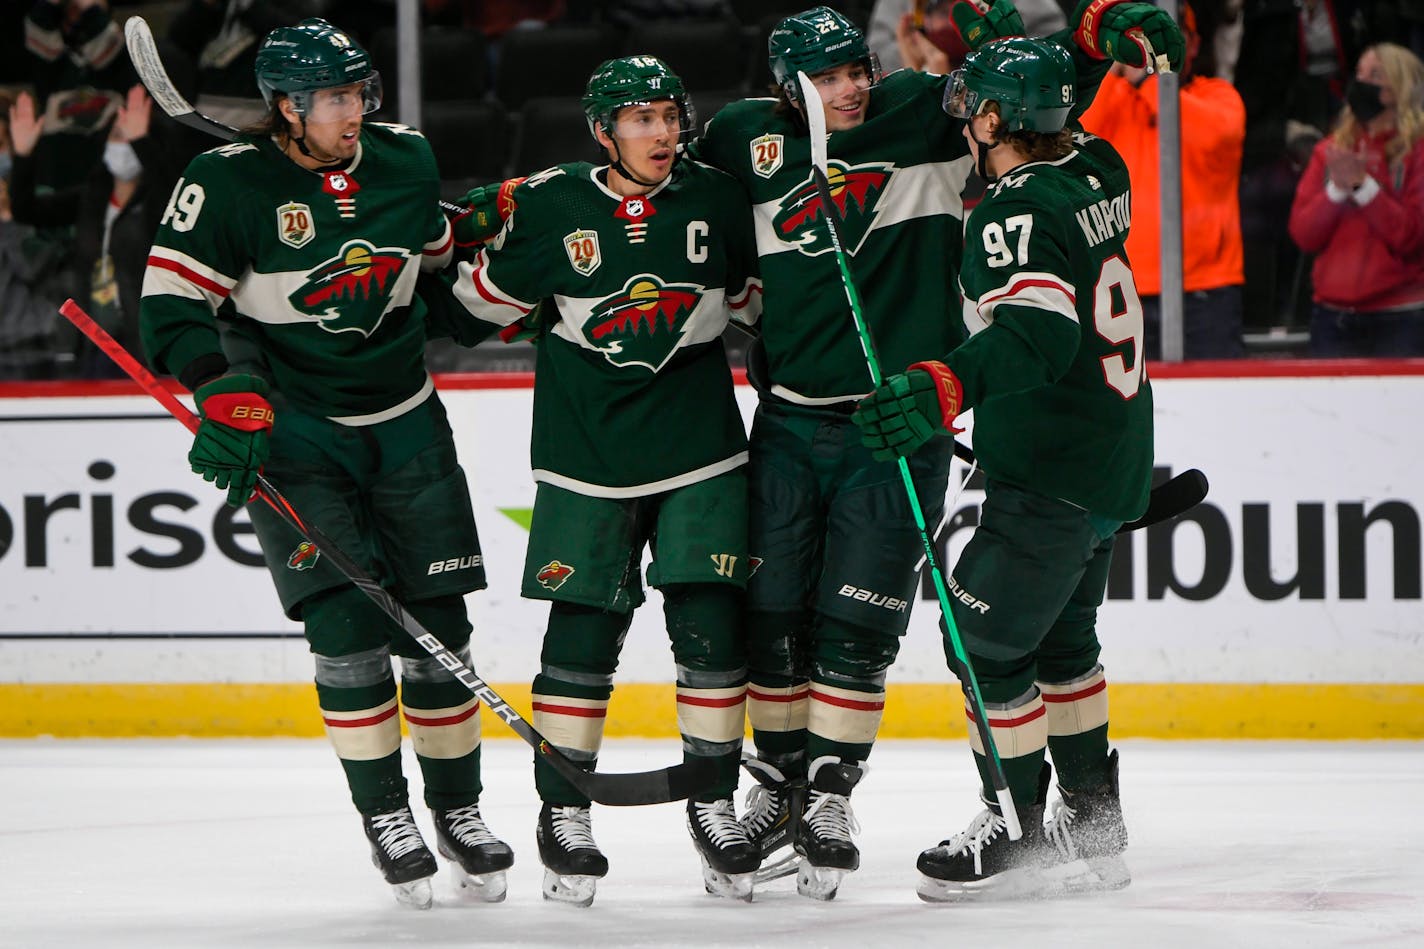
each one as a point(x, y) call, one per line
point(1404, 74)
point(1035, 146)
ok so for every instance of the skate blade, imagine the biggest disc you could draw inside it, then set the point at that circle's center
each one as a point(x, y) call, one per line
point(1020, 884)
point(480, 887)
point(1091, 875)
point(730, 886)
point(572, 889)
point(819, 883)
point(787, 866)
point(417, 894)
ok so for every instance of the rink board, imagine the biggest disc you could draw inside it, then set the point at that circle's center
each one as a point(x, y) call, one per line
point(1287, 606)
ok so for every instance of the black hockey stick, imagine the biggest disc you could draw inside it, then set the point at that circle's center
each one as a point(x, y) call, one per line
point(144, 54)
point(816, 120)
point(646, 787)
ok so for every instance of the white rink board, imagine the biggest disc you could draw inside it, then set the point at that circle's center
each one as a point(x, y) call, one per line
point(1276, 447)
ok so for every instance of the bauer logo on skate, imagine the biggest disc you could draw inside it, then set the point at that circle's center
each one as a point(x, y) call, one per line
point(856, 191)
point(336, 290)
point(643, 324)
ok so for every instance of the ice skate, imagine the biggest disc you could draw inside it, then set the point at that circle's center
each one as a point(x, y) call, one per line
point(1088, 836)
point(982, 863)
point(773, 806)
point(479, 857)
point(572, 861)
point(824, 835)
point(729, 858)
point(398, 851)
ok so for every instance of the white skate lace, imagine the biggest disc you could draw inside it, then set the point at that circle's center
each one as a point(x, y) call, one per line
point(396, 833)
point(468, 827)
point(830, 817)
point(1059, 830)
point(977, 836)
point(573, 828)
point(718, 821)
point(763, 805)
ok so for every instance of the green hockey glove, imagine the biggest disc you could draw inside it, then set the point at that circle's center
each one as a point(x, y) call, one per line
point(1134, 34)
point(979, 21)
point(488, 206)
point(908, 410)
point(231, 445)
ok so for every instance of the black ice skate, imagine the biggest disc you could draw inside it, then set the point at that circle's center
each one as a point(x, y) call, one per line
point(729, 858)
point(982, 863)
point(481, 858)
point(773, 807)
point(572, 861)
point(823, 837)
point(1088, 837)
point(398, 851)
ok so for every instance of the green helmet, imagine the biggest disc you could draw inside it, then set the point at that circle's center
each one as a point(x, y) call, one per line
point(1032, 80)
point(813, 41)
point(297, 60)
point(634, 80)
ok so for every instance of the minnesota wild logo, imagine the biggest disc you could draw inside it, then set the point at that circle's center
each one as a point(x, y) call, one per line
point(352, 291)
point(642, 324)
point(856, 191)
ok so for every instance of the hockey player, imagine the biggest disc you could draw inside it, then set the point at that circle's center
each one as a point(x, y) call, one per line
point(830, 525)
point(1054, 371)
point(280, 291)
point(637, 442)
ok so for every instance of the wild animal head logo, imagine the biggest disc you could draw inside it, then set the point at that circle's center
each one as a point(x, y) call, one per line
point(856, 191)
point(352, 291)
point(304, 557)
point(643, 324)
point(553, 574)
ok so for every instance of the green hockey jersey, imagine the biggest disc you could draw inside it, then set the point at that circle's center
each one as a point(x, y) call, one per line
point(632, 392)
point(897, 181)
point(1054, 368)
point(316, 270)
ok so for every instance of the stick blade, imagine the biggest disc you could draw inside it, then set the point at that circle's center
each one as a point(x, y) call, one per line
point(144, 54)
point(815, 119)
point(1176, 497)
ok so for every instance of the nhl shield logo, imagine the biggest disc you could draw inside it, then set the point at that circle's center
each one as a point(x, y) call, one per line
point(767, 155)
point(582, 248)
point(294, 225)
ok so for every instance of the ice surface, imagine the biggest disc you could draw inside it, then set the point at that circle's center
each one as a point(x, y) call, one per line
point(253, 843)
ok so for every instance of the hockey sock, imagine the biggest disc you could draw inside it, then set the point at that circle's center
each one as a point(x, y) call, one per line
point(571, 691)
point(847, 688)
point(444, 723)
point(704, 622)
point(363, 725)
point(1078, 729)
point(1020, 732)
point(778, 696)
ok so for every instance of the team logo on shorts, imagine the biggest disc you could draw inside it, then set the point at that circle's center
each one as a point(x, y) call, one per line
point(553, 574)
point(304, 557)
point(294, 225)
point(753, 563)
point(582, 248)
point(352, 291)
point(642, 324)
point(767, 155)
point(856, 191)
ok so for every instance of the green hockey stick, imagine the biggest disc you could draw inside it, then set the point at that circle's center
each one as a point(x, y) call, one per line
point(816, 119)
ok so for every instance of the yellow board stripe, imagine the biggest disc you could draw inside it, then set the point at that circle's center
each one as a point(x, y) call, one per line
point(645, 710)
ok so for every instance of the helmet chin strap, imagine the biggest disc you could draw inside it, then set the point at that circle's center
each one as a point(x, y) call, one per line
point(328, 162)
point(982, 165)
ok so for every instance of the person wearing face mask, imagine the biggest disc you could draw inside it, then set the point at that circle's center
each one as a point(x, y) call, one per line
point(1359, 209)
point(831, 525)
point(637, 441)
point(114, 213)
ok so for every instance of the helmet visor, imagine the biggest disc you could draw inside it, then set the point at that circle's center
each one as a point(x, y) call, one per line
point(340, 103)
point(960, 101)
point(663, 118)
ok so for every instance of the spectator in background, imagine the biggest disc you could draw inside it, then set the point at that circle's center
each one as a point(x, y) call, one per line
point(1360, 209)
point(890, 18)
point(114, 214)
point(1213, 128)
point(79, 70)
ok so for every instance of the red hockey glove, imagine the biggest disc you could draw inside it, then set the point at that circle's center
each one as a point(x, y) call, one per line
point(1134, 34)
point(231, 445)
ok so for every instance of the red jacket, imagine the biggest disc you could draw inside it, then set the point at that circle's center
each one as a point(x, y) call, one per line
point(1368, 257)
point(1213, 126)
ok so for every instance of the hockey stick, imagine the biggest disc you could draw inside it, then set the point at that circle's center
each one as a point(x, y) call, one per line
point(816, 120)
point(675, 783)
point(144, 54)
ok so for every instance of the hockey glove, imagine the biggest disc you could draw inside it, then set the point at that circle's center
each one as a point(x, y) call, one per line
point(1134, 34)
point(908, 410)
point(488, 208)
point(980, 21)
point(231, 445)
